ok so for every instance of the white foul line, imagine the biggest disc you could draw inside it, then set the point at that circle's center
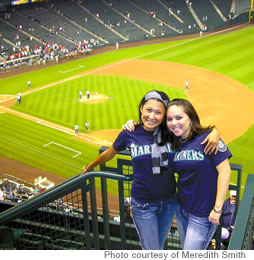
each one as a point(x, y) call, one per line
point(78, 153)
point(56, 128)
point(66, 71)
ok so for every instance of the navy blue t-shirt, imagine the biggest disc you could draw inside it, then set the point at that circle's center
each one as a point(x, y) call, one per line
point(146, 186)
point(197, 181)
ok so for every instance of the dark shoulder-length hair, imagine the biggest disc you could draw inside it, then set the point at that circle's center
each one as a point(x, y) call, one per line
point(196, 127)
point(163, 127)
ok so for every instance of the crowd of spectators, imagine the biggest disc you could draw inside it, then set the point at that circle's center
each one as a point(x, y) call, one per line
point(50, 51)
point(17, 192)
point(29, 47)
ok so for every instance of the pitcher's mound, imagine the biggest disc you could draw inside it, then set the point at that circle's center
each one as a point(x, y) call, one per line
point(95, 98)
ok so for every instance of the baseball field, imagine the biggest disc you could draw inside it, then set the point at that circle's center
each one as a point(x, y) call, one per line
point(37, 136)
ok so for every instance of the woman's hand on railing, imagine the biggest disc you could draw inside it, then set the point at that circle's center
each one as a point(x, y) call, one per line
point(85, 169)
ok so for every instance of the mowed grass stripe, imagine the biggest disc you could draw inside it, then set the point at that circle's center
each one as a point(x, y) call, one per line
point(105, 90)
point(248, 78)
point(182, 53)
point(24, 131)
point(128, 103)
point(233, 59)
point(219, 61)
point(244, 74)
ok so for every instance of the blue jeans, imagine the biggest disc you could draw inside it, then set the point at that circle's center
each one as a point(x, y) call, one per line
point(153, 221)
point(195, 232)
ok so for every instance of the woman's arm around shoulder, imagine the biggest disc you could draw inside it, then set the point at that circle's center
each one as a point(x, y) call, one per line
point(130, 125)
point(212, 141)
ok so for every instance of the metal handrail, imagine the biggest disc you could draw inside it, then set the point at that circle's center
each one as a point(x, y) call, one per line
point(56, 192)
point(240, 236)
point(243, 228)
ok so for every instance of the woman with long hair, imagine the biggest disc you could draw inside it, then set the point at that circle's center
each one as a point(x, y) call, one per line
point(203, 179)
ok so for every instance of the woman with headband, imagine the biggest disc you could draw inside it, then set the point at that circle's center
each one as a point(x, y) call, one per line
point(153, 189)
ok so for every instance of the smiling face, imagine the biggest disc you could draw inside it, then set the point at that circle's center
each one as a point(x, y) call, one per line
point(178, 122)
point(152, 114)
point(233, 199)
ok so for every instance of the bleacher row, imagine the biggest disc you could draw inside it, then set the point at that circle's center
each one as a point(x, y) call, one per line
point(70, 24)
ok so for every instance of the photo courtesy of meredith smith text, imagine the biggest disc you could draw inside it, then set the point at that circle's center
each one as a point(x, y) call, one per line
point(178, 254)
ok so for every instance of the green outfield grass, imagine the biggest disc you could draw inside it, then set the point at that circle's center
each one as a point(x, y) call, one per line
point(231, 54)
